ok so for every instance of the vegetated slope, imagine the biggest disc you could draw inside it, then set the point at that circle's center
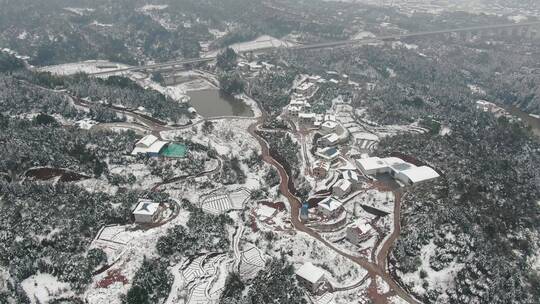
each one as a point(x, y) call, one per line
point(48, 227)
point(481, 219)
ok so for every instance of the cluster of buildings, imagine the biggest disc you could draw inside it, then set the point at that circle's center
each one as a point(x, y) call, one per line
point(399, 169)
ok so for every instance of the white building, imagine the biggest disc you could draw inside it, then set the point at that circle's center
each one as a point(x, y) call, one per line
point(417, 175)
point(329, 126)
point(372, 165)
point(310, 276)
point(341, 188)
point(330, 206)
point(146, 211)
point(149, 145)
point(329, 140)
point(328, 154)
point(401, 170)
point(320, 169)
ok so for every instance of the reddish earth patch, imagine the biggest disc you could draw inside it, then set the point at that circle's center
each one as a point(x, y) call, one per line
point(280, 206)
point(253, 225)
point(382, 186)
point(112, 277)
point(48, 173)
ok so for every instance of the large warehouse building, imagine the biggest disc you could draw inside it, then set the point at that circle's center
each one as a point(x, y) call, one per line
point(401, 170)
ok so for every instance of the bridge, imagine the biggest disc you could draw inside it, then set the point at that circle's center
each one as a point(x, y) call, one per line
point(523, 29)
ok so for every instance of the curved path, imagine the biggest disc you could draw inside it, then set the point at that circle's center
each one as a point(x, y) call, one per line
point(374, 269)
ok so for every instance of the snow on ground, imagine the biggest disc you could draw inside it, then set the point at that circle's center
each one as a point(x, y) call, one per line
point(476, 89)
point(96, 23)
point(13, 53)
point(42, 287)
point(229, 137)
point(89, 66)
point(518, 18)
point(262, 42)
point(78, 10)
point(86, 123)
point(301, 248)
point(363, 35)
point(252, 103)
point(380, 200)
point(399, 44)
point(442, 279)
point(144, 178)
point(142, 243)
point(97, 185)
point(152, 7)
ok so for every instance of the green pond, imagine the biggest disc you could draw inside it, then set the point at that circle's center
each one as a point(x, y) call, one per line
point(174, 150)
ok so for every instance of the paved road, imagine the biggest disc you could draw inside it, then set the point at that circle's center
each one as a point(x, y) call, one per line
point(324, 45)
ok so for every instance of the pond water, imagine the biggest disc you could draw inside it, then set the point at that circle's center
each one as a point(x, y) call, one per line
point(213, 103)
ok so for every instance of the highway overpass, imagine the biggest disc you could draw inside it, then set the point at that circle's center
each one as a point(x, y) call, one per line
point(512, 27)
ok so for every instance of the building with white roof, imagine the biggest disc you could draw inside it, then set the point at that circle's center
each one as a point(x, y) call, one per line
point(372, 165)
point(417, 175)
point(146, 211)
point(149, 145)
point(330, 206)
point(320, 169)
point(341, 188)
point(401, 170)
point(329, 126)
point(329, 140)
point(310, 276)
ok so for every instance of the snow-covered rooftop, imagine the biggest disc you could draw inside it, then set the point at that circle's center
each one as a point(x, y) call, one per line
point(332, 137)
point(155, 148)
point(343, 184)
point(330, 204)
point(330, 124)
point(419, 174)
point(372, 163)
point(310, 272)
point(146, 207)
point(307, 115)
point(146, 141)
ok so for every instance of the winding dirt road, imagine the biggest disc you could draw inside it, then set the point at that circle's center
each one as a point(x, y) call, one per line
point(374, 269)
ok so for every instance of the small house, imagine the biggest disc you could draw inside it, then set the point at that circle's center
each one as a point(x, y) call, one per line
point(146, 211)
point(341, 188)
point(320, 169)
point(310, 276)
point(330, 206)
